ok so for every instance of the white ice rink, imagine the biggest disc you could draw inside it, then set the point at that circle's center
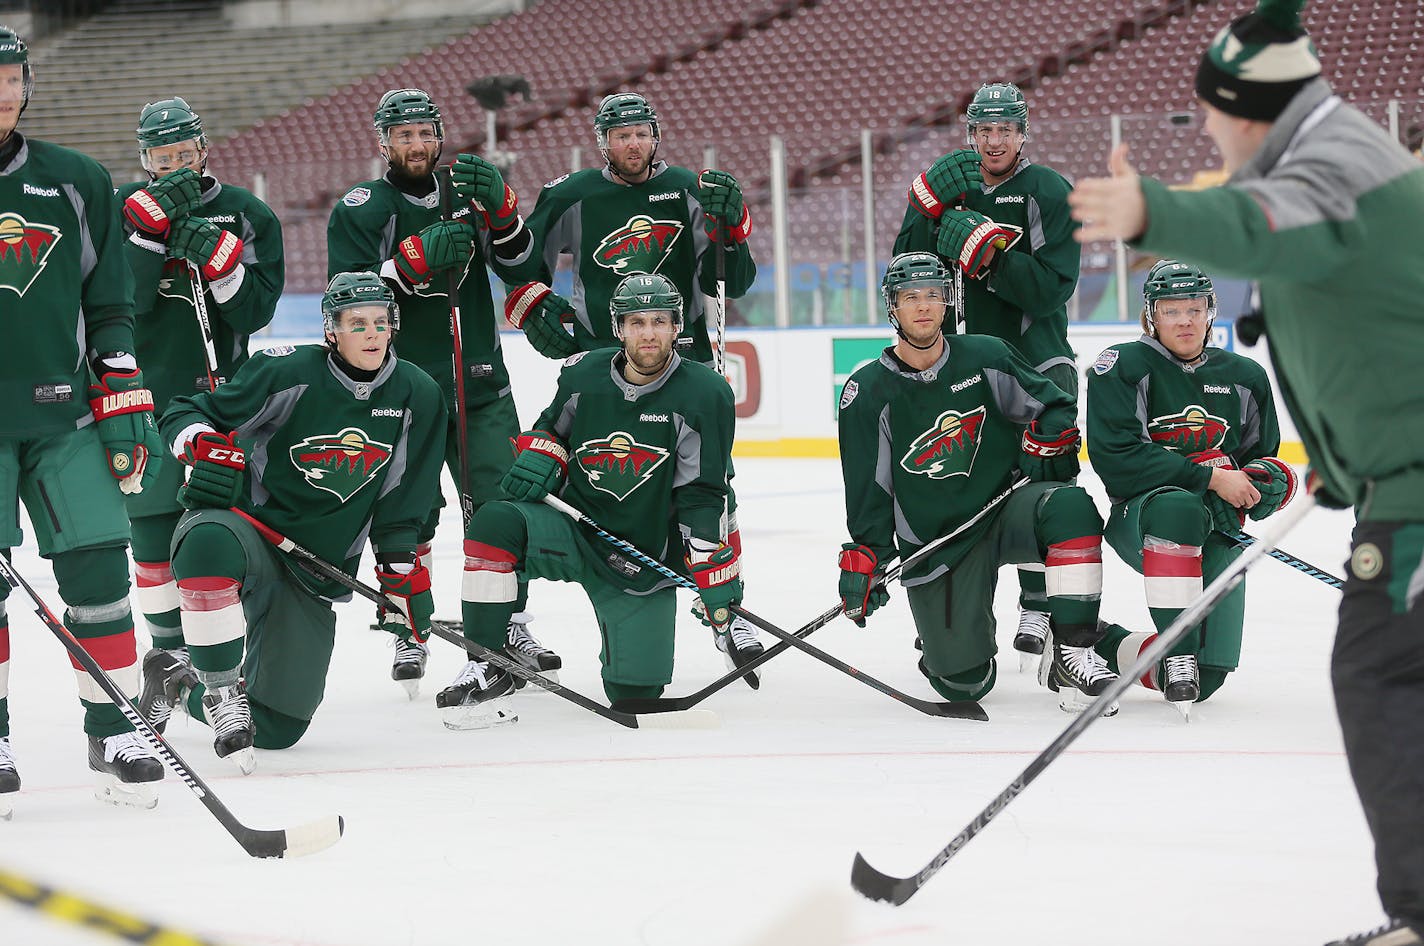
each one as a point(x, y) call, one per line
point(1239, 828)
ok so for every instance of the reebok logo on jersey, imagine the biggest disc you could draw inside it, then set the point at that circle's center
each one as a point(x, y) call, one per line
point(958, 386)
point(386, 412)
point(222, 218)
point(24, 247)
point(948, 447)
point(1216, 389)
point(340, 463)
point(618, 464)
point(1191, 430)
point(667, 195)
point(1009, 199)
point(653, 418)
point(40, 191)
point(639, 246)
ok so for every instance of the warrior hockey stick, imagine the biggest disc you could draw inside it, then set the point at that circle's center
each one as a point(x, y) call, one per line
point(291, 842)
point(896, 890)
point(324, 569)
point(964, 709)
point(200, 306)
point(1245, 540)
point(452, 288)
point(676, 703)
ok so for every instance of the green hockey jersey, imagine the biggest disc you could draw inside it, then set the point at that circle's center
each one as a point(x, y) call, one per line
point(330, 460)
point(1024, 297)
point(650, 463)
point(63, 283)
point(923, 451)
point(1148, 411)
point(613, 230)
point(364, 229)
point(166, 329)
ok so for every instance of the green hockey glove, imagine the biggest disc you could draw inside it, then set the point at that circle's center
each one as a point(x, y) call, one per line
point(539, 466)
point(535, 309)
point(155, 208)
point(445, 244)
point(218, 463)
point(480, 182)
point(1049, 458)
point(1274, 480)
point(123, 411)
point(946, 182)
point(410, 591)
point(717, 574)
point(862, 587)
point(971, 238)
point(727, 218)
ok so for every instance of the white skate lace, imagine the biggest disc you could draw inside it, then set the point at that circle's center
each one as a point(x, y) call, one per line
point(1390, 926)
point(521, 640)
point(474, 670)
point(409, 652)
point(741, 635)
point(7, 755)
point(1085, 664)
point(126, 747)
point(1181, 669)
point(231, 713)
point(1034, 624)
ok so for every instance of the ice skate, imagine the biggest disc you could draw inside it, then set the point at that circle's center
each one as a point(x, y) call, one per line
point(478, 698)
point(1076, 674)
point(739, 644)
point(231, 718)
point(524, 649)
point(167, 677)
point(129, 772)
point(1393, 933)
point(408, 665)
point(1182, 683)
point(1033, 631)
point(9, 779)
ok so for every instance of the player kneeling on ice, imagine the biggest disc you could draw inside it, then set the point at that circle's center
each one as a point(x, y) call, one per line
point(1183, 436)
point(929, 433)
point(345, 442)
point(640, 440)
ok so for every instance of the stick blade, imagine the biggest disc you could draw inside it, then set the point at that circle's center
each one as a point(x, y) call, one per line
point(962, 709)
point(300, 841)
point(872, 884)
point(687, 719)
point(640, 707)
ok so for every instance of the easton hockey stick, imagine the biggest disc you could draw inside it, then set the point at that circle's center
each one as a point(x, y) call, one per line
point(290, 842)
point(1246, 540)
point(963, 709)
point(319, 566)
point(452, 288)
point(676, 703)
point(896, 890)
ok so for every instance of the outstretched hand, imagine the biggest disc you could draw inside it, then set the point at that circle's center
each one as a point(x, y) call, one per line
point(1110, 208)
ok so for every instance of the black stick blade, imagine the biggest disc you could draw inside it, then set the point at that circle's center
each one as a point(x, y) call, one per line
point(872, 884)
point(961, 709)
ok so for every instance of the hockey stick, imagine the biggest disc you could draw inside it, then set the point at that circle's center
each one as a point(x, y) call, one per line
point(1245, 540)
point(959, 709)
point(720, 256)
point(452, 288)
point(324, 569)
point(896, 890)
point(675, 703)
point(291, 842)
point(200, 306)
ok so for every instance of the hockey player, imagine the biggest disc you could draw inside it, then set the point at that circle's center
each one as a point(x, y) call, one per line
point(640, 439)
point(928, 434)
point(78, 428)
point(393, 226)
point(961, 207)
point(1183, 436)
point(345, 441)
point(189, 233)
point(636, 214)
point(1323, 208)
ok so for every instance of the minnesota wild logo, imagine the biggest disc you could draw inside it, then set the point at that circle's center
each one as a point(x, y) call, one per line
point(618, 464)
point(340, 463)
point(24, 247)
point(639, 246)
point(1192, 430)
point(176, 281)
point(948, 448)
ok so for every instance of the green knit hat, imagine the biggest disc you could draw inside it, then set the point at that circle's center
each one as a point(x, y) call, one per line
point(1255, 66)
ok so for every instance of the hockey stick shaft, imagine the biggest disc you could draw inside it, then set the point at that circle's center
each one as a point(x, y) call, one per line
point(896, 890)
point(1246, 540)
point(200, 306)
point(669, 704)
point(305, 839)
point(720, 258)
point(325, 569)
point(452, 288)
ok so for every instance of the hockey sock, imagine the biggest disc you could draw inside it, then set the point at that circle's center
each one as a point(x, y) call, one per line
point(1033, 591)
point(1172, 577)
point(971, 684)
point(153, 574)
point(490, 591)
point(630, 691)
point(94, 583)
point(209, 565)
point(1120, 649)
point(4, 672)
point(1070, 530)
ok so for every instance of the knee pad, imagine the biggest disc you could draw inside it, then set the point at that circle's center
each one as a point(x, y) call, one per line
point(971, 684)
point(209, 550)
point(90, 577)
point(274, 730)
point(1067, 513)
point(1177, 516)
point(1211, 680)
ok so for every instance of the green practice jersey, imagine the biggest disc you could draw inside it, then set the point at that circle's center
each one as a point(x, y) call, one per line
point(166, 329)
point(1148, 411)
point(365, 228)
point(613, 230)
point(63, 283)
point(1024, 297)
point(923, 451)
point(650, 463)
point(329, 460)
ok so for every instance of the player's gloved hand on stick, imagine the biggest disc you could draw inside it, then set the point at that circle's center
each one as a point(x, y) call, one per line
point(1325, 496)
point(445, 244)
point(123, 411)
point(480, 182)
point(410, 592)
point(728, 219)
point(717, 573)
point(1049, 457)
point(971, 238)
point(206, 245)
point(946, 182)
point(215, 481)
point(540, 464)
point(861, 588)
point(1274, 480)
point(153, 209)
point(539, 312)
